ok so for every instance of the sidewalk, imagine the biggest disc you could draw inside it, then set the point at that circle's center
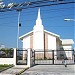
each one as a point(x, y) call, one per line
point(14, 70)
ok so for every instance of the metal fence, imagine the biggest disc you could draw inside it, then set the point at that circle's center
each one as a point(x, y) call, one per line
point(21, 57)
point(54, 57)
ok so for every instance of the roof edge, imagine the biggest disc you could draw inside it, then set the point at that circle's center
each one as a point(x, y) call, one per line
point(69, 41)
point(21, 37)
point(52, 33)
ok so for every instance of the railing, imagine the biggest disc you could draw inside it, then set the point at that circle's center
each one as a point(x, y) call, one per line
point(21, 57)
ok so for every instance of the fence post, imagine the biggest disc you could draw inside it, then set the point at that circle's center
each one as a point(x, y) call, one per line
point(29, 58)
point(53, 55)
point(34, 57)
point(15, 56)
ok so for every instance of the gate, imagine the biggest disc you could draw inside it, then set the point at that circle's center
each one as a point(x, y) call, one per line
point(54, 57)
point(42, 57)
point(21, 57)
point(63, 57)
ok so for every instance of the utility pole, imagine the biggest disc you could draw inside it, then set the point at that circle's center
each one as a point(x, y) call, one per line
point(19, 25)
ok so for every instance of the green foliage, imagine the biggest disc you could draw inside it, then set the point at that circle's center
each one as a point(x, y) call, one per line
point(6, 52)
point(4, 66)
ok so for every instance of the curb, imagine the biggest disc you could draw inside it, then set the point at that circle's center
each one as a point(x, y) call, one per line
point(22, 71)
point(6, 68)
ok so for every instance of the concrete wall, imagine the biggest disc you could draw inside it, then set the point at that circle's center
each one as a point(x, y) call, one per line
point(7, 60)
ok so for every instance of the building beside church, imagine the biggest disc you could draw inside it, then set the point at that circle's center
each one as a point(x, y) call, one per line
point(40, 39)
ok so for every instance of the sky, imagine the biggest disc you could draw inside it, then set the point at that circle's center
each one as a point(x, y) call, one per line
point(52, 18)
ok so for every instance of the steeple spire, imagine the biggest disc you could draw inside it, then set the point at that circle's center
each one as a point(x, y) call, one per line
point(39, 17)
point(39, 21)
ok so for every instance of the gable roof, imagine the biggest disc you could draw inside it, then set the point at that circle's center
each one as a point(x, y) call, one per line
point(21, 37)
point(53, 34)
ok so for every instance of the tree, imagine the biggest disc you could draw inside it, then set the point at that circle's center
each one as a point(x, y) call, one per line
point(7, 52)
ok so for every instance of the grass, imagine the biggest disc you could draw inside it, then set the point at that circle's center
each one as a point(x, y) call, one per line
point(2, 67)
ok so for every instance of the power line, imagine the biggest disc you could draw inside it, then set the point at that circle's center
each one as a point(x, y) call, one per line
point(34, 4)
point(41, 10)
point(52, 10)
point(47, 10)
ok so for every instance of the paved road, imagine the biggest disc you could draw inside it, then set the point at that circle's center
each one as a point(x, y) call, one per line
point(50, 70)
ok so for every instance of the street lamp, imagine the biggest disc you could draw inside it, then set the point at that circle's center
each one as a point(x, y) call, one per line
point(69, 19)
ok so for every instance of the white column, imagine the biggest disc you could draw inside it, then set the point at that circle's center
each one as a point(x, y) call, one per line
point(15, 56)
point(29, 58)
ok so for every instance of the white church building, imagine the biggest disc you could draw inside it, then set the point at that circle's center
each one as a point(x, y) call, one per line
point(40, 39)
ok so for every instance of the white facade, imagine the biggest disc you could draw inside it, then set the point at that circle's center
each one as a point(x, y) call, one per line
point(26, 42)
point(51, 42)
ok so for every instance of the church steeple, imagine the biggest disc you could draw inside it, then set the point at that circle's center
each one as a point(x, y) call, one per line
point(38, 34)
point(39, 17)
point(39, 21)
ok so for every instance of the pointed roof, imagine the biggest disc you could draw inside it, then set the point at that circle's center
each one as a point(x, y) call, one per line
point(21, 37)
point(39, 16)
point(31, 32)
point(38, 21)
point(38, 24)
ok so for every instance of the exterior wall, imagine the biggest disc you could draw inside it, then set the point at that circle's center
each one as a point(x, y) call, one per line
point(45, 41)
point(48, 55)
point(31, 41)
point(26, 42)
point(68, 47)
point(68, 53)
point(58, 44)
point(26, 45)
point(7, 60)
point(51, 42)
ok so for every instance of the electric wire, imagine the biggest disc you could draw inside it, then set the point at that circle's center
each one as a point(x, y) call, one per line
point(32, 12)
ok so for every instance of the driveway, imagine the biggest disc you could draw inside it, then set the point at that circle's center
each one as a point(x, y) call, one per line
point(50, 70)
point(14, 70)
